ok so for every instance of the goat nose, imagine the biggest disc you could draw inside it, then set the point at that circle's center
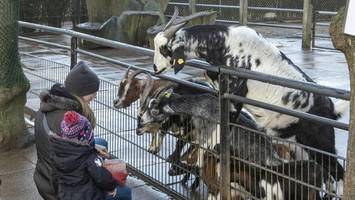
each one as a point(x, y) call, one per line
point(115, 101)
point(139, 124)
point(155, 68)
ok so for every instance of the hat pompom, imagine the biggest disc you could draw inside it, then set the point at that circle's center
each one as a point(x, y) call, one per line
point(71, 117)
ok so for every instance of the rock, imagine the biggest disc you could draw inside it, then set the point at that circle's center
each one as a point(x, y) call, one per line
point(205, 17)
point(102, 10)
point(108, 30)
point(134, 25)
point(130, 28)
point(155, 5)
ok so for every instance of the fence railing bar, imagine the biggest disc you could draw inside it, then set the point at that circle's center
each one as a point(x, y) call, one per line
point(326, 12)
point(166, 77)
point(237, 7)
point(45, 59)
point(274, 25)
point(294, 113)
point(327, 48)
point(321, 12)
point(44, 42)
point(306, 86)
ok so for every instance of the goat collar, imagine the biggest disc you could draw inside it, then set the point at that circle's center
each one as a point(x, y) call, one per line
point(144, 98)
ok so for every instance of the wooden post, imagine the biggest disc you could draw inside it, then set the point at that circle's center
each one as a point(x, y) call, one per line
point(243, 12)
point(307, 24)
point(192, 6)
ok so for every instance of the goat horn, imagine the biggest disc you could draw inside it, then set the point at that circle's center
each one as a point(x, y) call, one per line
point(173, 18)
point(127, 72)
point(172, 30)
point(135, 73)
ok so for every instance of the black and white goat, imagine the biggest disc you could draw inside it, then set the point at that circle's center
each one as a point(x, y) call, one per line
point(250, 146)
point(242, 47)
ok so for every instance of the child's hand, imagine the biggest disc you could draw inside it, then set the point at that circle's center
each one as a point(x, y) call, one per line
point(113, 193)
point(104, 153)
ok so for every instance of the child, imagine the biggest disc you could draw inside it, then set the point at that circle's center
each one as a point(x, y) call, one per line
point(79, 169)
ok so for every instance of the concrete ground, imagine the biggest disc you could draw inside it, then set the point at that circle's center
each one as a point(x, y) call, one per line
point(16, 182)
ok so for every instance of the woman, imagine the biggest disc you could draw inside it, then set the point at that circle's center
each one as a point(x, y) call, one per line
point(80, 88)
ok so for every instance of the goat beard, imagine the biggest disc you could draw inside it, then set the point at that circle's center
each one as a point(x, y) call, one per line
point(150, 128)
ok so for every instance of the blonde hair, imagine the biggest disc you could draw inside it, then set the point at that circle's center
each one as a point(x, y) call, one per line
point(87, 111)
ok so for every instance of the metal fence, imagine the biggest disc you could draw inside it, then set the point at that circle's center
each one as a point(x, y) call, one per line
point(237, 163)
point(275, 14)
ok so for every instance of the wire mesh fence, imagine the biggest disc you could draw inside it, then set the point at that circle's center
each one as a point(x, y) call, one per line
point(181, 151)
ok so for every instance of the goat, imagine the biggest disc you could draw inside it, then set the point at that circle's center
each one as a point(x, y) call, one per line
point(242, 47)
point(247, 181)
point(132, 88)
point(204, 111)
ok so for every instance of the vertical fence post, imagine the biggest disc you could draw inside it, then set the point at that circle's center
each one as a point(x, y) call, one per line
point(314, 23)
point(73, 52)
point(192, 6)
point(307, 24)
point(225, 138)
point(243, 12)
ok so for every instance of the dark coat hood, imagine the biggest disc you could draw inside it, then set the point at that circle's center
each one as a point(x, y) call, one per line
point(68, 155)
point(58, 99)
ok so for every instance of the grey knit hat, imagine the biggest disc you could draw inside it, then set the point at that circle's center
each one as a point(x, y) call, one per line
point(81, 80)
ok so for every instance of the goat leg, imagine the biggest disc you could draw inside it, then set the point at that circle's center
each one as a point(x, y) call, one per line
point(185, 178)
point(196, 182)
point(175, 156)
point(155, 144)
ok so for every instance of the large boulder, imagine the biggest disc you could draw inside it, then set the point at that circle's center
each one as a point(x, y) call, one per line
point(100, 11)
point(205, 17)
point(131, 27)
point(134, 25)
point(155, 5)
point(107, 30)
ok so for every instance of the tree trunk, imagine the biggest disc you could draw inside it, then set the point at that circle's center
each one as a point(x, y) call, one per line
point(346, 44)
point(13, 83)
point(56, 11)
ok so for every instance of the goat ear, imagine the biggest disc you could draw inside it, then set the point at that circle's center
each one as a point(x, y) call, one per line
point(178, 59)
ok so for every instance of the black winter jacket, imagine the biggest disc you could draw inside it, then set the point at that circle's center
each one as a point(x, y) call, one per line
point(54, 103)
point(79, 171)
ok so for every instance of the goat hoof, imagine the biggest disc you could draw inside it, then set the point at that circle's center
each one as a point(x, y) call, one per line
point(173, 158)
point(194, 185)
point(153, 150)
point(185, 179)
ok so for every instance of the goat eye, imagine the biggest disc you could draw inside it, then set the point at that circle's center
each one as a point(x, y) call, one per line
point(155, 111)
point(164, 50)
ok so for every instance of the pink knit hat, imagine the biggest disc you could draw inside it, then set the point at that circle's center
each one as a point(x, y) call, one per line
point(76, 126)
